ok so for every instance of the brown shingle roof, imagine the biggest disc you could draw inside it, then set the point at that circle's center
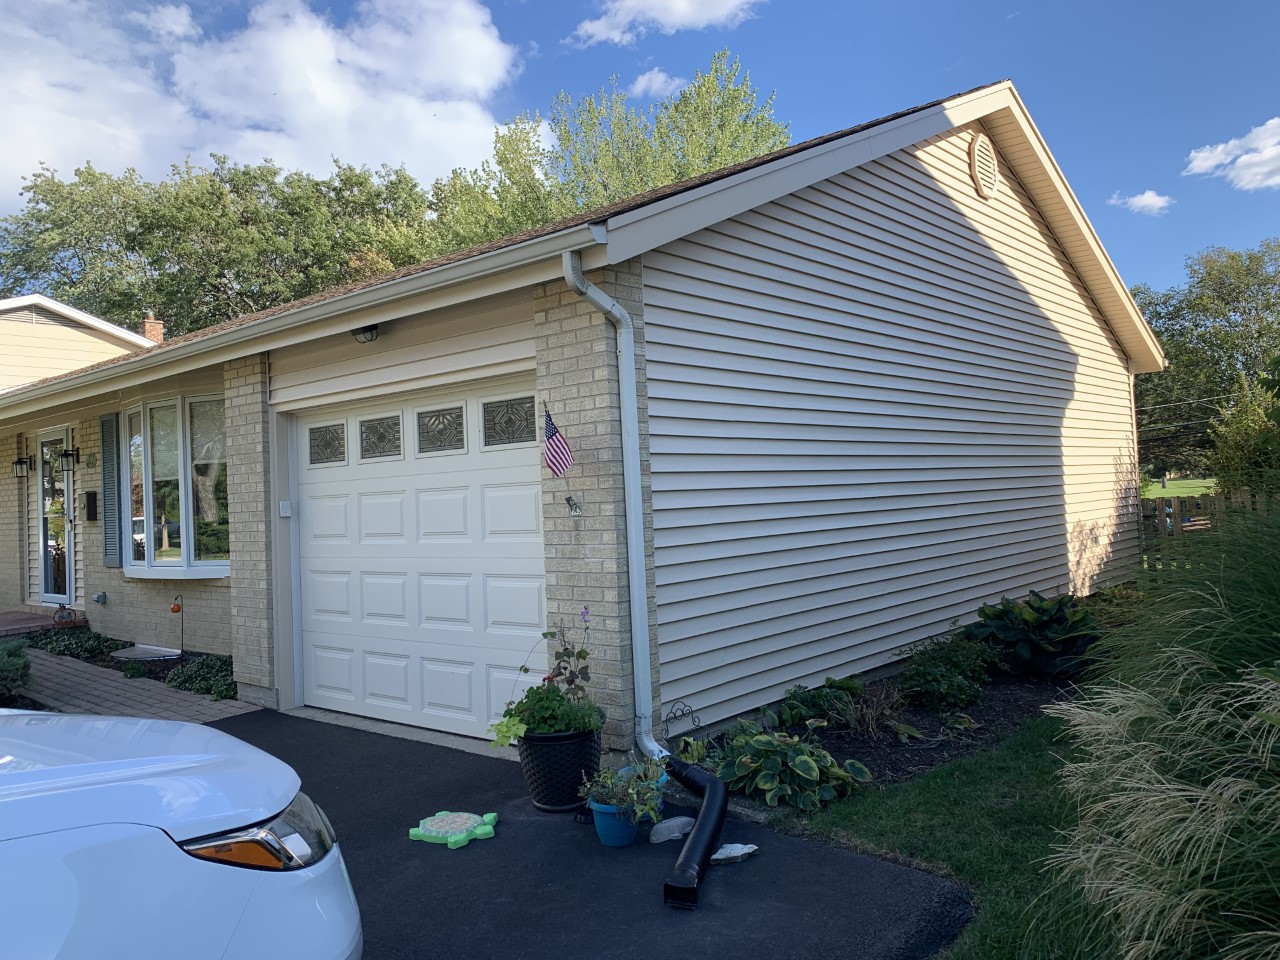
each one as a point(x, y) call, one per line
point(586, 217)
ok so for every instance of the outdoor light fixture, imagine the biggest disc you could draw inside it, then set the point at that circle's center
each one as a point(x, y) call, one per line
point(22, 466)
point(69, 458)
point(366, 334)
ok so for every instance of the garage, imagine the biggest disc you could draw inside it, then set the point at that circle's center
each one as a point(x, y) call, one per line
point(420, 555)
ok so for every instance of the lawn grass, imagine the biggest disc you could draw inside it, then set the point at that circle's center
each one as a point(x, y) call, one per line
point(1176, 488)
point(985, 820)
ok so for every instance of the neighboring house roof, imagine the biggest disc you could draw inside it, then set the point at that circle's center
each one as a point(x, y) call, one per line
point(127, 337)
point(619, 231)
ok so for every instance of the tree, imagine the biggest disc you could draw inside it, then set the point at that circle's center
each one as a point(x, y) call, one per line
point(1224, 324)
point(207, 243)
point(599, 150)
point(1246, 441)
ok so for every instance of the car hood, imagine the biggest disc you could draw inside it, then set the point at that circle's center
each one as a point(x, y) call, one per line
point(59, 772)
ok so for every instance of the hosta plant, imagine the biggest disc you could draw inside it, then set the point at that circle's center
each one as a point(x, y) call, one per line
point(776, 766)
point(1040, 635)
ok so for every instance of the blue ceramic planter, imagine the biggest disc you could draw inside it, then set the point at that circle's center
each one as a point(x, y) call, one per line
point(614, 825)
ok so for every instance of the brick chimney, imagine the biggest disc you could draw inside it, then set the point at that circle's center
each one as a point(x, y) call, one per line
point(152, 328)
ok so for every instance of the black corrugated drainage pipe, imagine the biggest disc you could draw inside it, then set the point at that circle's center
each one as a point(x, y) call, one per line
point(681, 888)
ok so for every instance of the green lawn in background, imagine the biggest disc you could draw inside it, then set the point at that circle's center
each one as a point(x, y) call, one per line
point(1176, 488)
point(985, 820)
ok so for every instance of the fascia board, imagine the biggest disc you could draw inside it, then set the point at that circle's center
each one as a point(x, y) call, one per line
point(71, 313)
point(509, 268)
point(1006, 118)
point(653, 225)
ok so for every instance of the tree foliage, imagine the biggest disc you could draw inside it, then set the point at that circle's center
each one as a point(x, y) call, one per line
point(207, 244)
point(1222, 325)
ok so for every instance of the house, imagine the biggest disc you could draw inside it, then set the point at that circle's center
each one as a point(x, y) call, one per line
point(821, 404)
point(40, 337)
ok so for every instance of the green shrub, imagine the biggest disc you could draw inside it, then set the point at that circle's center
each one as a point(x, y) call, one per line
point(14, 666)
point(836, 702)
point(1176, 767)
point(79, 642)
point(1040, 635)
point(209, 674)
point(776, 766)
point(134, 670)
point(946, 674)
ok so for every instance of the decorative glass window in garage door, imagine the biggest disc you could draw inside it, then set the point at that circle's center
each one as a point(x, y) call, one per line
point(422, 575)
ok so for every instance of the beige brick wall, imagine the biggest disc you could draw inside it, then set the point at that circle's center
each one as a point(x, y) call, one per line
point(245, 383)
point(586, 555)
point(138, 610)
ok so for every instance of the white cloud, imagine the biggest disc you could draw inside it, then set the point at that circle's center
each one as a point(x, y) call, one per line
point(167, 21)
point(1250, 162)
point(403, 81)
point(1147, 202)
point(626, 21)
point(655, 84)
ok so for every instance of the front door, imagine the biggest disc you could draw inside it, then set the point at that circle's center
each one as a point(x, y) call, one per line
point(56, 563)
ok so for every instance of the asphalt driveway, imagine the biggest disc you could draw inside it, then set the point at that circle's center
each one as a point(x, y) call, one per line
point(544, 887)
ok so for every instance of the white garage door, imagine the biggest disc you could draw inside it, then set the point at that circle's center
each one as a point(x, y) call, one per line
point(420, 547)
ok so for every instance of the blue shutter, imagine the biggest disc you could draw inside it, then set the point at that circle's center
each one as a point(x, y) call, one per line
point(109, 433)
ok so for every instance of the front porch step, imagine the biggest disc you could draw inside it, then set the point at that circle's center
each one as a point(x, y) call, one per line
point(145, 651)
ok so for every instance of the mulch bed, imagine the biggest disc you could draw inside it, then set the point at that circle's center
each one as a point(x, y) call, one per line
point(152, 669)
point(1004, 705)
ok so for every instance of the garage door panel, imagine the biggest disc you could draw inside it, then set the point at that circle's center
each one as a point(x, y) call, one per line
point(512, 512)
point(444, 600)
point(422, 576)
point(382, 517)
point(326, 594)
point(443, 515)
point(384, 598)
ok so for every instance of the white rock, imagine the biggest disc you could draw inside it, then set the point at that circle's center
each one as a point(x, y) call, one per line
point(733, 852)
point(672, 829)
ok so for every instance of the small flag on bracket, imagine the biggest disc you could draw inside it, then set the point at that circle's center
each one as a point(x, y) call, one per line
point(556, 452)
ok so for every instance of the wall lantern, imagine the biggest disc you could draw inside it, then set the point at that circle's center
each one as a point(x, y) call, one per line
point(366, 334)
point(69, 458)
point(23, 466)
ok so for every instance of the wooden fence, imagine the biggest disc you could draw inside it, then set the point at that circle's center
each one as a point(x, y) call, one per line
point(1167, 521)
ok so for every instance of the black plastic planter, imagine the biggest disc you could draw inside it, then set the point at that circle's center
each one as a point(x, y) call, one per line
point(554, 765)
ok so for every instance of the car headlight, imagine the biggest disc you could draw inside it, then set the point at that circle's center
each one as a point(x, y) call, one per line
point(297, 838)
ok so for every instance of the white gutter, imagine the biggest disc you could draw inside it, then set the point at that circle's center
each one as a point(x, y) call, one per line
point(637, 585)
point(76, 387)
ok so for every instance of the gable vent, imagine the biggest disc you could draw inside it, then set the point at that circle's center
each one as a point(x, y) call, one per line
point(982, 166)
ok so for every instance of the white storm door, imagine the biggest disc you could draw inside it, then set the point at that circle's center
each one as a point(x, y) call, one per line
point(420, 553)
point(57, 561)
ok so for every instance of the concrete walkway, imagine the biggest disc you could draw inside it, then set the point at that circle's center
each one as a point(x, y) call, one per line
point(72, 686)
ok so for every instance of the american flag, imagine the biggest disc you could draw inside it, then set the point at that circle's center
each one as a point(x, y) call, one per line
point(557, 454)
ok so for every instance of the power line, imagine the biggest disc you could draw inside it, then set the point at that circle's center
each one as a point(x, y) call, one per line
point(1182, 403)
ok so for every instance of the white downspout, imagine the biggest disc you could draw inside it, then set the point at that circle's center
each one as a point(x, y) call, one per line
point(637, 585)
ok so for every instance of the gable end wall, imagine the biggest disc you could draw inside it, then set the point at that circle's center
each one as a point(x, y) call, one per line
point(874, 404)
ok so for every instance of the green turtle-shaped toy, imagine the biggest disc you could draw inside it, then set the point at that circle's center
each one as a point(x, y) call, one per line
point(454, 829)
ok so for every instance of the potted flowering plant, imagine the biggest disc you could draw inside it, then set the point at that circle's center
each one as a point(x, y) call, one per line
point(556, 726)
point(621, 799)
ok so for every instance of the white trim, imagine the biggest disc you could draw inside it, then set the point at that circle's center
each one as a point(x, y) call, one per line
point(186, 567)
point(71, 313)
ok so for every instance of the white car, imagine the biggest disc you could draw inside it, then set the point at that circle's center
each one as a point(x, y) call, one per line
point(142, 839)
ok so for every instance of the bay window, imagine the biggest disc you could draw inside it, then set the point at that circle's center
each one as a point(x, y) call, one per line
point(175, 474)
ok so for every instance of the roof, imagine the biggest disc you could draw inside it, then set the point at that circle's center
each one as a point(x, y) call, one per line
point(78, 316)
point(647, 220)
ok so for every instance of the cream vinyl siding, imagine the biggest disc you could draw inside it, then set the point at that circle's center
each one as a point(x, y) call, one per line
point(488, 338)
point(873, 405)
point(36, 343)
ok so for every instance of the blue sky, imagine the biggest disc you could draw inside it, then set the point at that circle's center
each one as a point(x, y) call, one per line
point(1165, 117)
